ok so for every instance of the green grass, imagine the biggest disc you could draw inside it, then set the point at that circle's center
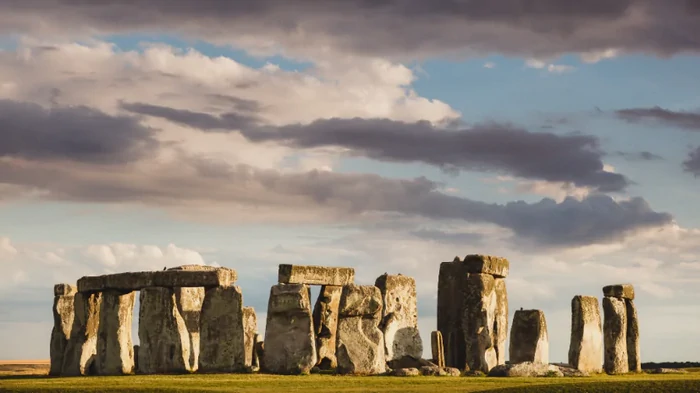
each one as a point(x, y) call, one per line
point(687, 383)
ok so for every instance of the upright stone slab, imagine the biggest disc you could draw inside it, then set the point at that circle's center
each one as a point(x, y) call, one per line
point(500, 328)
point(478, 322)
point(438, 348)
point(289, 335)
point(399, 317)
point(81, 348)
point(586, 345)
point(633, 357)
point(115, 351)
point(360, 345)
point(315, 275)
point(615, 335)
point(450, 307)
point(189, 304)
point(326, 325)
point(164, 339)
point(63, 315)
point(250, 330)
point(222, 338)
point(529, 341)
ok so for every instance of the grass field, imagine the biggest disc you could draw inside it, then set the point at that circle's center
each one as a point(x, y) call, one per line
point(32, 378)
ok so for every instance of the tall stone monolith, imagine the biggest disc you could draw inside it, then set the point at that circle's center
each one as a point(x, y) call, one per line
point(615, 335)
point(250, 330)
point(478, 322)
point(399, 317)
point(438, 348)
point(163, 335)
point(81, 348)
point(115, 351)
point(290, 346)
point(500, 329)
point(360, 345)
point(633, 347)
point(586, 345)
point(63, 315)
point(326, 325)
point(449, 311)
point(189, 304)
point(222, 335)
point(529, 341)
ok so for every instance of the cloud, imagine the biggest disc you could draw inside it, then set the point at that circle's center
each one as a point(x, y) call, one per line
point(400, 29)
point(686, 120)
point(484, 147)
point(638, 156)
point(489, 65)
point(550, 67)
point(692, 162)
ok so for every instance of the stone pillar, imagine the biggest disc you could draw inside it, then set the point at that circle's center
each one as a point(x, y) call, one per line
point(189, 304)
point(529, 341)
point(438, 348)
point(360, 345)
point(164, 339)
point(586, 346)
point(449, 312)
point(115, 351)
point(478, 322)
point(399, 317)
point(250, 329)
point(623, 293)
point(615, 335)
point(289, 337)
point(259, 351)
point(222, 341)
point(633, 357)
point(81, 348)
point(326, 325)
point(500, 328)
point(63, 315)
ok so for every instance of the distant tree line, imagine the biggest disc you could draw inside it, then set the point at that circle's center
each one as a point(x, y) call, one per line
point(653, 365)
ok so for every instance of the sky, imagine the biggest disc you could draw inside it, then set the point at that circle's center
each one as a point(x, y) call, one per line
point(388, 136)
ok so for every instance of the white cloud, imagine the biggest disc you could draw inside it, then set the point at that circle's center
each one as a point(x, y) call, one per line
point(596, 56)
point(550, 67)
point(489, 65)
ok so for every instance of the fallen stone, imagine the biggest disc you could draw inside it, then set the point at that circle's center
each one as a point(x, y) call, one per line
point(478, 322)
point(400, 316)
point(326, 325)
point(360, 342)
point(526, 369)
point(410, 362)
point(620, 291)
point(529, 341)
point(431, 370)
point(473, 373)
point(222, 331)
point(115, 351)
point(633, 357)
point(615, 336)
point(569, 371)
point(315, 275)
point(500, 327)
point(189, 304)
point(438, 348)
point(586, 345)
point(164, 339)
point(81, 348)
point(63, 316)
point(667, 371)
point(450, 372)
point(250, 328)
point(289, 335)
point(450, 307)
point(405, 372)
point(487, 264)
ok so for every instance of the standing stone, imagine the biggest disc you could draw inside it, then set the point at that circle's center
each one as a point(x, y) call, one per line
point(63, 315)
point(250, 328)
point(399, 317)
point(586, 346)
point(529, 341)
point(257, 352)
point(164, 339)
point(289, 335)
point(449, 311)
point(81, 348)
point(615, 335)
point(500, 329)
point(222, 338)
point(478, 322)
point(438, 348)
point(326, 325)
point(115, 351)
point(189, 304)
point(633, 357)
point(360, 345)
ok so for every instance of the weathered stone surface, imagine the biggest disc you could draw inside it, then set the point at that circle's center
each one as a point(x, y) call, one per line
point(360, 342)
point(450, 372)
point(473, 373)
point(315, 275)
point(529, 341)
point(431, 370)
point(633, 347)
point(526, 369)
point(189, 304)
point(450, 308)
point(129, 281)
point(615, 335)
point(405, 372)
point(250, 328)
point(64, 290)
point(63, 315)
point(134, 281)
point(222, 331)
point(478, 322)
point(399, 316)
point(326, 325)
point(500, 327)
point(620, 291)
point(410, 362)
point(438, 348)
point(487, 264)
point(164, 339)
point(81, 348)
point(115, 351)
point(586, 345)
point(289, 336)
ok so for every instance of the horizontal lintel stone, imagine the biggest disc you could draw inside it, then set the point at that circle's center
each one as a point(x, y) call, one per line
point(315, 275)
point(487, 264)
point(621, 291)
point(133, 281)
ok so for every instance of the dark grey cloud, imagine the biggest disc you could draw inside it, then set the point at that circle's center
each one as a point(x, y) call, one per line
point(686, 120)
point(77, 133)
point(638, 156)
point(486, 147)
point(393, 28)
point(692, 162)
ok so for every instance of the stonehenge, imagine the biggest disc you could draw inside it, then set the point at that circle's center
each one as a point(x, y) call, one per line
point(621, 330)
point(586, 345)
point(529, 340)
point(222, 331)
